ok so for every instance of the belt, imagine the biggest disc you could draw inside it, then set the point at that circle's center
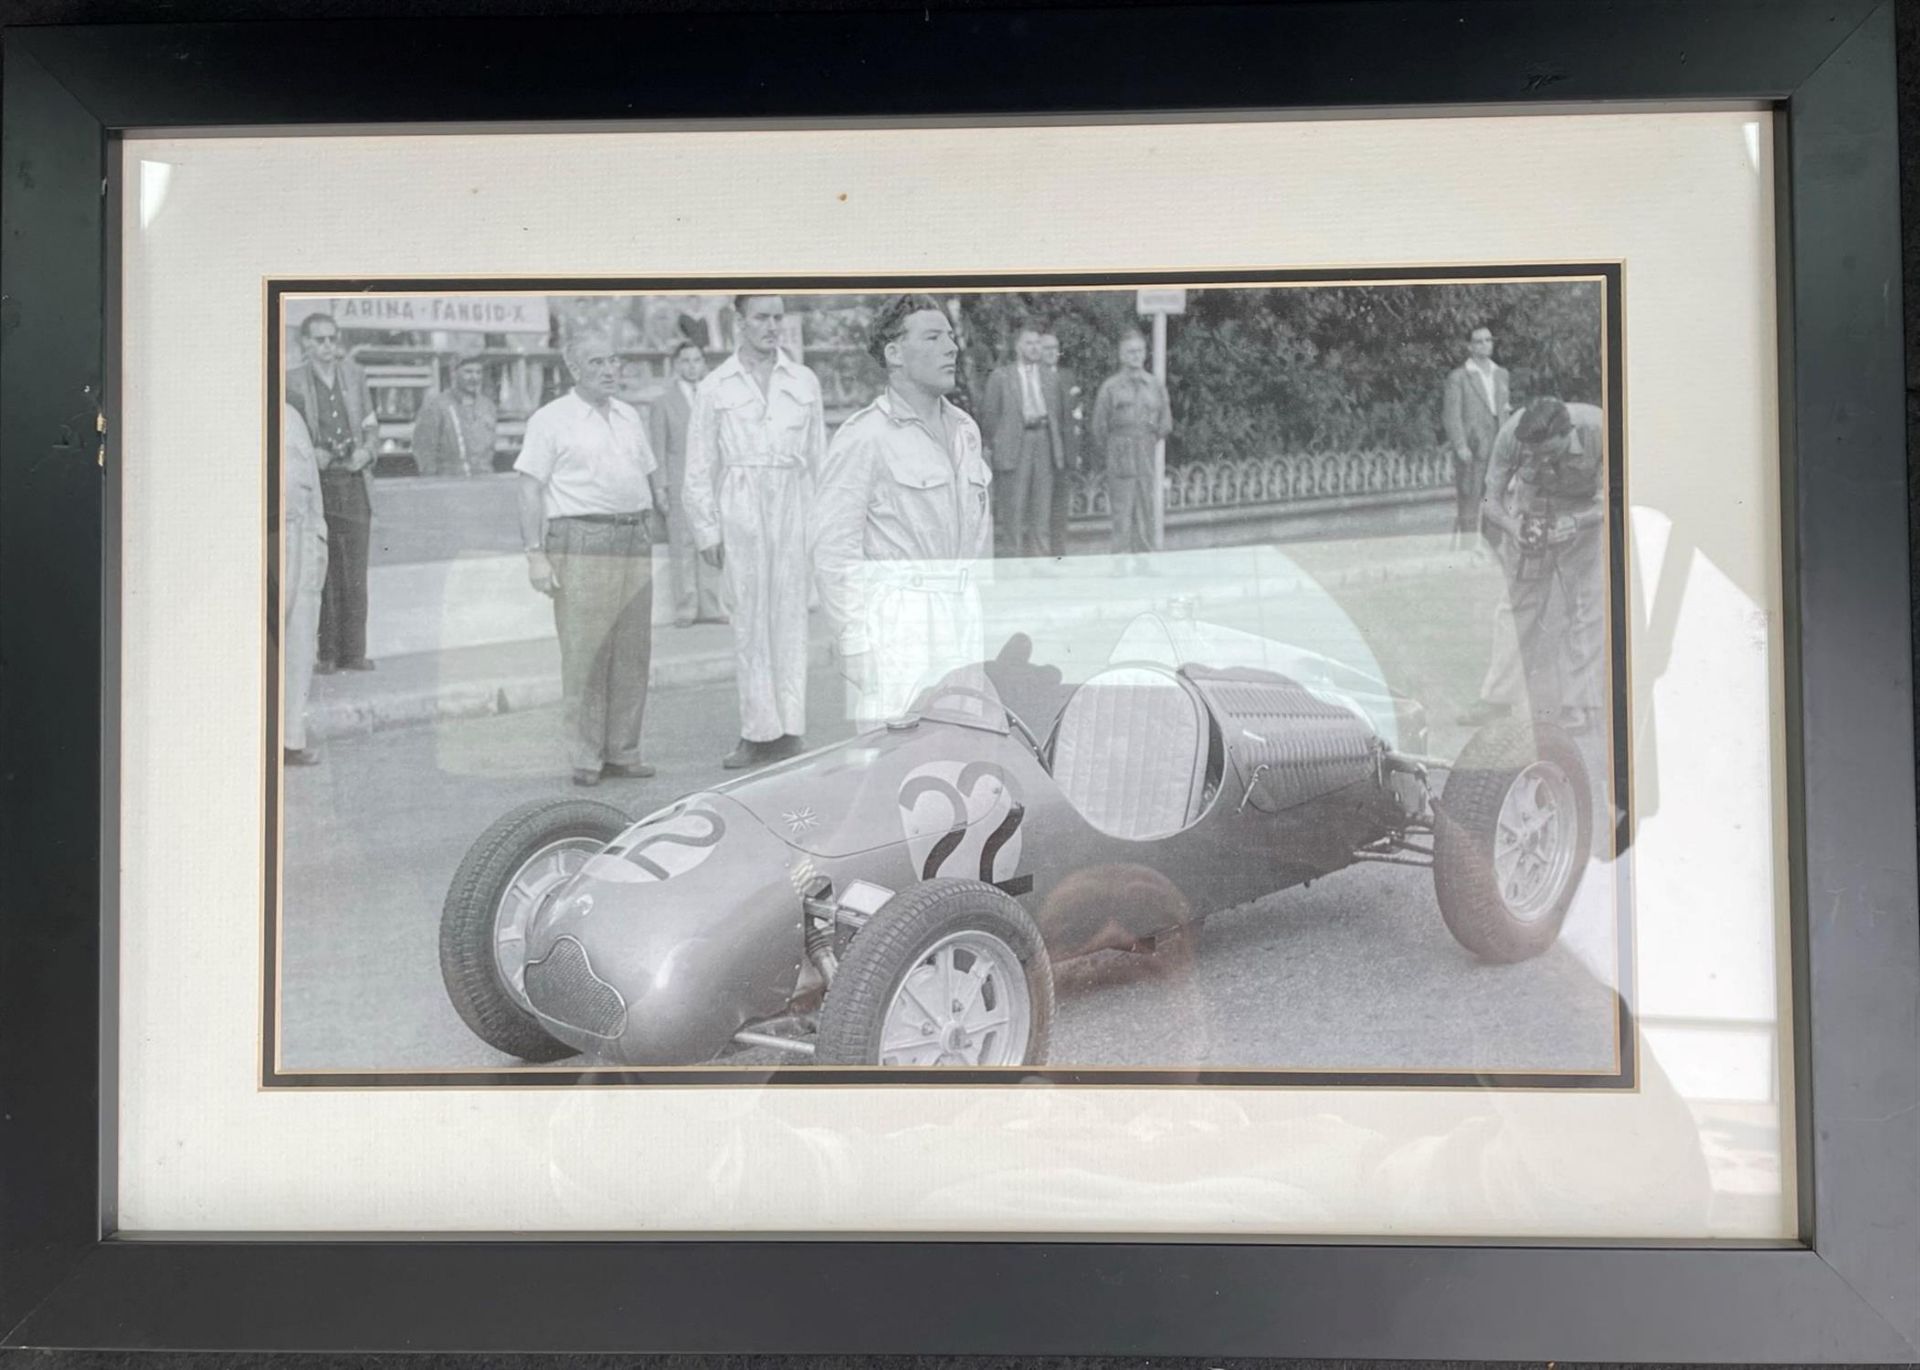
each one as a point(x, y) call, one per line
point(1040, 422)
point(934, 582)
point(623, 519)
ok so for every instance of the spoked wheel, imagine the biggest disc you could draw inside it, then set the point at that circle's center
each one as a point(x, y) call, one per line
point(964, 1004)
point(949, 973)
point(1512, 833)
point(1534, 839)
point(507, 876)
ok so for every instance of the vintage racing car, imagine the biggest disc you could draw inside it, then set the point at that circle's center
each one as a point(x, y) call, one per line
point(898, 899)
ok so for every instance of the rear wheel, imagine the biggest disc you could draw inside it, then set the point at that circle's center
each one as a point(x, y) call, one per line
point(1512, 832)
point(948, 973)
point(507, 875)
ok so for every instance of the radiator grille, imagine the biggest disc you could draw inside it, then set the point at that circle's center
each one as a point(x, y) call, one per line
point(564, 988)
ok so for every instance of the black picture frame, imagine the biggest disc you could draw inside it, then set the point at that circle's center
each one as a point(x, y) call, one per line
point(1850, 1292)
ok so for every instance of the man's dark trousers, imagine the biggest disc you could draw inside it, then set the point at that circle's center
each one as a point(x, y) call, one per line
point(343, 604)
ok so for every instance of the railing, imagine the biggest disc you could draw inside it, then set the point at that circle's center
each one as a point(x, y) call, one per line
point(1354, 478)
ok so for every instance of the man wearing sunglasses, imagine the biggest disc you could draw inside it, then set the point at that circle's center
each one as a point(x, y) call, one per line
point(331, 396)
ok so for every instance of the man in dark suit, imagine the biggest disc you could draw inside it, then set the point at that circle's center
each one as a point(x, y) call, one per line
point(331, 395)
point(1473, 405)
point(695, 585)
point(1023, 417)
point(1069, 388)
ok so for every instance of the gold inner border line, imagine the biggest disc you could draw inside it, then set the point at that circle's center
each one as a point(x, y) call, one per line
point(1087, 282)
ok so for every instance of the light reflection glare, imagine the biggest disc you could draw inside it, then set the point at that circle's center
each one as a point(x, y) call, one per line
point(154, 179)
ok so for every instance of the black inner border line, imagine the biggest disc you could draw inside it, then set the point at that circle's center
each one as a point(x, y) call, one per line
point(1624, 1080)
point(273, 391)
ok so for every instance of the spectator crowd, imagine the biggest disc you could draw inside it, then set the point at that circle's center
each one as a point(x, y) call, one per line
point(885, 521)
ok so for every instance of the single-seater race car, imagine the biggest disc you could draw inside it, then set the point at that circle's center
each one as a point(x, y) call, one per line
point(899, 898)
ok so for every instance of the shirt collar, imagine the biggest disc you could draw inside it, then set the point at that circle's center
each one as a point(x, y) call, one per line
point(900, 415)
point(580, 405)
point(783, 365)
point(1484, 366)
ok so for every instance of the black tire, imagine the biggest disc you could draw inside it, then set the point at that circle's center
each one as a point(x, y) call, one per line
point(1465, 827)
point(468, 965)
point(896, 940)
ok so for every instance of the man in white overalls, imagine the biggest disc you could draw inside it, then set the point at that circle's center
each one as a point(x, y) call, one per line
point(759, 423)
point(902, 523)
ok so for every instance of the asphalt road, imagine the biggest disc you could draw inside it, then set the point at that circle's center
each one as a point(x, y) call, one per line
point(1356, 972)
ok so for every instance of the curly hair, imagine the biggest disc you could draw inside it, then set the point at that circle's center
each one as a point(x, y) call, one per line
point(891, 322)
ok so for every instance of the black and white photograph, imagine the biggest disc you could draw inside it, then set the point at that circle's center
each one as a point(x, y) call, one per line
point(1093, 680)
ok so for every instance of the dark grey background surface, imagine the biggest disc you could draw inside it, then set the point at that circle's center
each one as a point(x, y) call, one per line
point(141, 11)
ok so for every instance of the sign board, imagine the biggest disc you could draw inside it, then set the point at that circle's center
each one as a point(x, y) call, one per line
point(1163, 300)
point(429, 313)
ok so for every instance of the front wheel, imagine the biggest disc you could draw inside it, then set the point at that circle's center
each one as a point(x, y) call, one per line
point(1511, 835)
point(506, 876)
point(948, 973)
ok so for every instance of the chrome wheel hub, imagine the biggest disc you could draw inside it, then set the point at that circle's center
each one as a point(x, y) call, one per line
point(1534, 841)
point(964, 1003)
point(537, 880)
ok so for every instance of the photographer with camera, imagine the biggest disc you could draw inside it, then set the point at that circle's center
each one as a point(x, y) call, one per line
point(1546, 494)
point(331, 395)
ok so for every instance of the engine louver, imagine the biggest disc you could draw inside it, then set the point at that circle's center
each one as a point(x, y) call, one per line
point(1309, 747)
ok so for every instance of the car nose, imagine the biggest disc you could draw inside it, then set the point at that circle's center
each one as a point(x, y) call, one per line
point(563, 983)
point(661, 947)
point(651, 975)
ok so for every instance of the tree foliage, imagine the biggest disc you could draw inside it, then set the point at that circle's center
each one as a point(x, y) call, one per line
point(1252, 372)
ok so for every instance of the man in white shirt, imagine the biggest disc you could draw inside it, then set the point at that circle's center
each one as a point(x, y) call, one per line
point(756, 437)
point(587, 481)
point(903, 519)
